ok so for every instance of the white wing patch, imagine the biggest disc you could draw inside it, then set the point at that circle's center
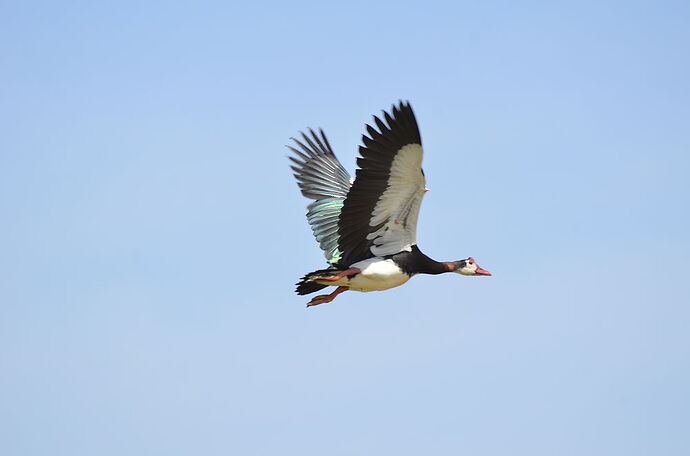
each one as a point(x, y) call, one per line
point(398, 206)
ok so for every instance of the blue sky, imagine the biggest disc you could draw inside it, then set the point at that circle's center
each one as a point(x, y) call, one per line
point(152, 232)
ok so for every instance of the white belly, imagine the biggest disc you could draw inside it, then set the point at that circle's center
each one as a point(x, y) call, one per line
point(377, 274)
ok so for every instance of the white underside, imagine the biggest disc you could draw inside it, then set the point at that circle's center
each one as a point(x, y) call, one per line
point(377, 274)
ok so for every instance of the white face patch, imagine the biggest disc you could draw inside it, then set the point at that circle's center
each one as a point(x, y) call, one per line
point(468, 269)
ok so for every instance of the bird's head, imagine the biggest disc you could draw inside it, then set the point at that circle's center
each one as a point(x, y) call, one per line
point(470, 267)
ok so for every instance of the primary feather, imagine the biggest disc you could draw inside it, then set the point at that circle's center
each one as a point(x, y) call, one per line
point(379, 216)
point(321, 177)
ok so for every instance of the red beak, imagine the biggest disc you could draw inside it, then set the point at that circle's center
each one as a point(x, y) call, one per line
point(481, 271)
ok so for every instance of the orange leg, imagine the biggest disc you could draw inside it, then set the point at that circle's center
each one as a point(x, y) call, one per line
point(321, 299)
point(340, 275)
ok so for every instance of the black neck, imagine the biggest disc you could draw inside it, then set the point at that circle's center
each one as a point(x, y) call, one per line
point(415, 262)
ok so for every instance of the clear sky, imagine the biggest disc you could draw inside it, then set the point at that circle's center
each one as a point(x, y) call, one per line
point(152, 232)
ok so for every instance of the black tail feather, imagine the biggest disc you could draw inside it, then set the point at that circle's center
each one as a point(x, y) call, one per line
point(306, 285)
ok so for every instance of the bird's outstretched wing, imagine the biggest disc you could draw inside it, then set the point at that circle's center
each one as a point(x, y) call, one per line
point(321, 177)
point(379, 215)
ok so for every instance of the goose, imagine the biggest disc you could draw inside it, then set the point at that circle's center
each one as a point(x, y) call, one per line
point(367, 227)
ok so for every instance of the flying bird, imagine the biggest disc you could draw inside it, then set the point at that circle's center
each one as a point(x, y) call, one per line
point(367, 227)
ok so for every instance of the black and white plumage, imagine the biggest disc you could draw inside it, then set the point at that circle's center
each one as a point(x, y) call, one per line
point(379, 217)
point(367, 228)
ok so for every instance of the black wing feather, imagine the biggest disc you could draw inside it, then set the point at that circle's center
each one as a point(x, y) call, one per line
point(371, 180)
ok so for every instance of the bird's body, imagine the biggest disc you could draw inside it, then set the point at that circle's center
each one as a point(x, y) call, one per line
point(367, 227)
point(376, 274)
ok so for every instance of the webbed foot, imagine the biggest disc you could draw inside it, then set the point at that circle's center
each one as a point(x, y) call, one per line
point(321, 299)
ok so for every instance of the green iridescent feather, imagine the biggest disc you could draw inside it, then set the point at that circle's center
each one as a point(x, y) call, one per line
point(323, 217)
point(323, 179)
